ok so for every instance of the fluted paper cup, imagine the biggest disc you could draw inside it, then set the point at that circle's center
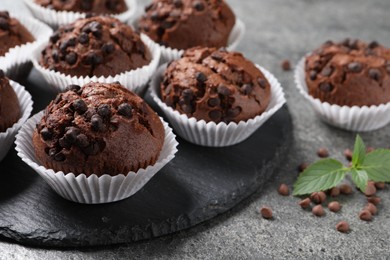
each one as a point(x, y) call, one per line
point(134, 80)
point(169, 54)
point(366, 118)
point(92, 189)
point(16, 61)
point(210, 133)
point(26, 105)
point(57, 18)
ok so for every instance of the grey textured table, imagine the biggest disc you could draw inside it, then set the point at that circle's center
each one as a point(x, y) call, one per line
point(276, 29)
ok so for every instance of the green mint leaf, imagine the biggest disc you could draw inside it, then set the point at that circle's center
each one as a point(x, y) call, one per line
point(360, 178)
point(377, 165)
point(321, 175)
point(359, 152)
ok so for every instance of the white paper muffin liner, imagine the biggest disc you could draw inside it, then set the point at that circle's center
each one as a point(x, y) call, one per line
point(169, 54)
point(134, 80)
point(217, 135)
point(17, 60)
point(350, 118)
point(26, 106)
point(92, 189)
point(57, 18)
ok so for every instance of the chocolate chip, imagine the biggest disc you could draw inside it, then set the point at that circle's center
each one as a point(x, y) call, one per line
point(374, 200)
point(365, 215)
point(64, 143)
point(223, 90)
point(86, 5)
point(375, 74)
point(97, 123)
point(327, 71)
point(178, 3)
point(160, 32)
point(373, 44)
point(73, 87)
point(187, 94)
point(216, 56)
point(55, 55)
point(200, 77)
point(108, 48)
point(326, 87)
point(372, 208)
point(93, 58)
point(355, 66)
point(46, 134)
point(71, 134)
point(92, 149)
point(323, 152)
point(67, 43)
point(125, 110)
point(187, 108)
point(380, 185)
point(334, 192)
point(4, 25)
point(318, 197)
point(342, 227)
point(95, 28)
point(283, 190)
point(59, 157)
point(286, 65)
point(2, 75)
point(213, 102)
point(215, 115)
point(55, 37)
point(318, 211)
point(313, 74)
point(305, 203)
point(83, 38)
point(303, 166)
point(80, 106)
point(246, 89)
point(199, 6)
point(71, 58)
point(266, 212)
point(233, 112)
point(82, 140)
point(334, 206)
point(262, 82)
point(370, 189)
point(348, 154)
point(104, 110)
point(346, 189)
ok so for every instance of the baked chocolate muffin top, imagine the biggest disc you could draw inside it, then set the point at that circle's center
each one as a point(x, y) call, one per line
point(215, 85)
point(86, 6)
point(349, 73)
point(9, 104)
point(95, 46)
point(98, 129)
point(12, 33)
point(182, 24)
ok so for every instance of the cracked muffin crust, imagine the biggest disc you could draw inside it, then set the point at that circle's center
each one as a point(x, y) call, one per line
point(182, 24)
point(98, 129)
point(86, 6)
point(216, 86)
point(95, 46)
point(9, 104)
point(12, 33)
point(349, 73)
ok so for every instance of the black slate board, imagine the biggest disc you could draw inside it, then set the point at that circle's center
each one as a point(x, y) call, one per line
point(197, 185)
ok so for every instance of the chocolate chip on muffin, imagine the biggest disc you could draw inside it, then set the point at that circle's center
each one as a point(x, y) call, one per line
point(215, 85)
point(96, 46)
point(86, 6)
point(182, 24)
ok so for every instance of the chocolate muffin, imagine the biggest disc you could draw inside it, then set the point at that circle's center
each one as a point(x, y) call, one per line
point(98, 129)
point(182, 24)
point(12, 33)
point(86, 6)
point(96, 46)
point(9, 104)
point(349, 73)
point(215, 85)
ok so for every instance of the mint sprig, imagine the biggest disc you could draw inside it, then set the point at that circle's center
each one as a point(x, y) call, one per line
point(328, 173)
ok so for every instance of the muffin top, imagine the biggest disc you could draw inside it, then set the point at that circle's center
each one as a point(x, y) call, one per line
point(349, 73)
point(95, 46)
point(182, 24)
point(98, 129)
point(12, 33)
point(9, 104)
point(86, 6)
point(216, 86)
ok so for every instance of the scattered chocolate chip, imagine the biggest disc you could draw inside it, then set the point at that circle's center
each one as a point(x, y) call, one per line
point(187, 94)
point(67, 43)
point(374, 200)
point(82, 140)
point(215, 115)
point(186, 108)
point(95, 28)
point(59, 157)
point(365, 215)
point(373, 44)
point(46, 134)
point(302, 167)
point(71, 134)
point(64, 143)
point(313, 74)
point(80, 106)
point(92, 149)
point(71, 58)
point(97, 123)
point(199, 6)
point(213, 102)
point(262, 82)
point(93, 58)
point(372, 208)
point(283, 190)
point(346, 189)
point(375, 74)
point(318, 211)
point(55, 55)
point(370, 189)
point(125, 110)
point(334, 192)
point(286, 65)
point(305, 203)
point(4, 25)
point(355, 66)
point(348, 154)
point(246, 89)
point(200, 77)
point(223, 90)
point(104, 110)
point(108, 48)
point(318, 197)
point(380, 185)
point(266, 212)
point(323, 152)
point(83, 38)
point(326, 87)
point(55, 37)
point(334, 206)
point(342, 227)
